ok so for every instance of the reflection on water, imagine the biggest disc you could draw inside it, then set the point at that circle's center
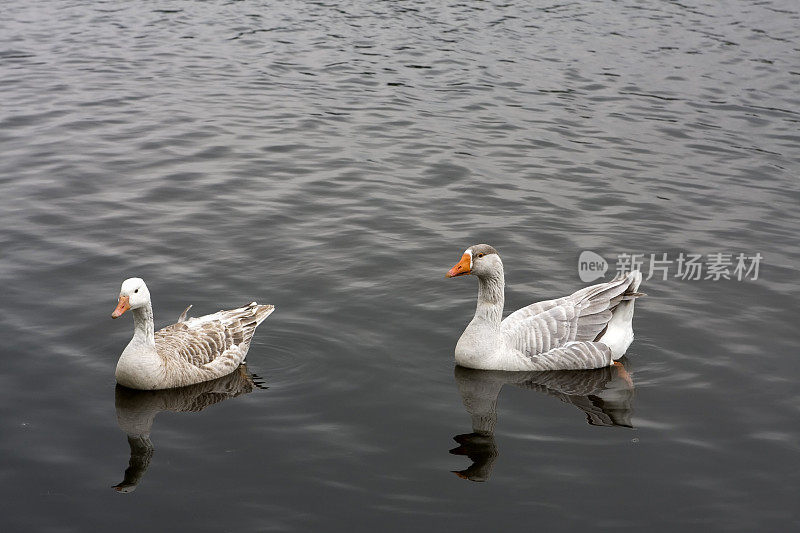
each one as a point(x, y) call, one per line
point(136, 410)
point(604, 395)
point(330, 157)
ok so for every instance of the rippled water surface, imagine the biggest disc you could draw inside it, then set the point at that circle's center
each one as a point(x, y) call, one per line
point(335, 160)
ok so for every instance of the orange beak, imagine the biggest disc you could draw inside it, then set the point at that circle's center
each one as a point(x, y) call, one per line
point(122, 306)
point(462, 267)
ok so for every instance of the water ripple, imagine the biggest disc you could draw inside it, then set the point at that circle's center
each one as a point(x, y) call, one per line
point(334, 160)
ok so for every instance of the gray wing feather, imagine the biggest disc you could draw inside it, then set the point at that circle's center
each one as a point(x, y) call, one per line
point(183, 316)
point(580, 317)
point(221, 339)
point(574, 356)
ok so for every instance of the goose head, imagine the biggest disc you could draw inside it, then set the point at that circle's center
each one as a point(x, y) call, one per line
point(481, 260)
point(132, 295)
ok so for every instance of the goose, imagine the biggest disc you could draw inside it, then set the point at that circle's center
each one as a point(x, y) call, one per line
point(188, 352)
point(590, 328)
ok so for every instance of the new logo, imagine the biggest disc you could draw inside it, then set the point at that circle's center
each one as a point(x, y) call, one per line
point(591, 266)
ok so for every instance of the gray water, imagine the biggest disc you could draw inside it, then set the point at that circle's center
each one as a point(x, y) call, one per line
point(335, 160)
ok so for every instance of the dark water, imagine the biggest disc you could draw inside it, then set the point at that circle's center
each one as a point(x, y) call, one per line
point(335, 160)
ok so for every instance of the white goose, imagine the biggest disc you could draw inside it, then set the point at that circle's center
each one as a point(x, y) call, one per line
point(587, 329)
point(191, 351)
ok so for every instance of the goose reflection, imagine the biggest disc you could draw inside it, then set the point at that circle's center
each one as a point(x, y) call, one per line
point(604, 395)
point(136, 410)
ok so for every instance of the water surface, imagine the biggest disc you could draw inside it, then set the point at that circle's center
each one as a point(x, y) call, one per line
point(335, 160)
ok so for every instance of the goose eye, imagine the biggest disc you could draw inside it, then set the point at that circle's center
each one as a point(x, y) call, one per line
point(480, 255)
point(137, 290)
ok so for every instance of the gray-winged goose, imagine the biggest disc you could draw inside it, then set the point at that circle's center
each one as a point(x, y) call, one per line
point(191, 351)
point(587, 329)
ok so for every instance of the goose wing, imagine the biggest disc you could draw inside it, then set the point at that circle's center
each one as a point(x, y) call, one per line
point(212, 340)
point(570, 324)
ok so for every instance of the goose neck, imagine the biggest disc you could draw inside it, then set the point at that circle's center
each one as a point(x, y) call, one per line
point(143, 325)
point(491, 298)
